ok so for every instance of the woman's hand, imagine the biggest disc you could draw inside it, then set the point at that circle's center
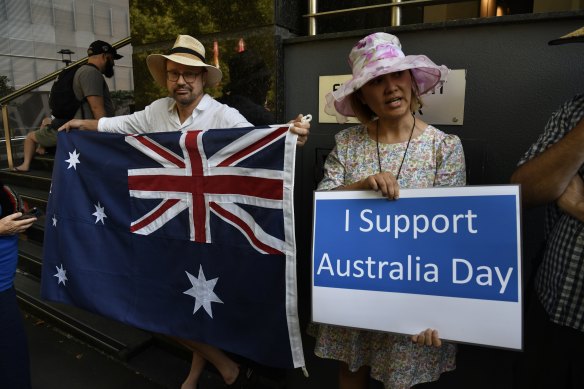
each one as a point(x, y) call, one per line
point(428, 338)
point(385, 182)
point(9, 225)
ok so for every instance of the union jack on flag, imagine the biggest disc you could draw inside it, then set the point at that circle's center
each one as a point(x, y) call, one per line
point(183, 233)
point(203, 184)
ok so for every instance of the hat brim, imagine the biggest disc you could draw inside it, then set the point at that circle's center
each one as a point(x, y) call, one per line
point(576, 36)
point(427, 75)
point(561, 41)
point(157, 66)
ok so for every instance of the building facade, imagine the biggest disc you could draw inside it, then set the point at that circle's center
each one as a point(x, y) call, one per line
point(33, 32)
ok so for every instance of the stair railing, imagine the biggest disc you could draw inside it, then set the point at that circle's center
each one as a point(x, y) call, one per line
point(4, 101)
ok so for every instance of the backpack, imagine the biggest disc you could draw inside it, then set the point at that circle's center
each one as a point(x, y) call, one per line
point(10, 201)
point(62, 99)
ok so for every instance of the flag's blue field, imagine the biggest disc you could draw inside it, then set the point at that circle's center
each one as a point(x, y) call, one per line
point(186, 234)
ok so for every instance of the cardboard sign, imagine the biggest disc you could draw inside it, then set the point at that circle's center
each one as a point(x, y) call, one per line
point(442, 258)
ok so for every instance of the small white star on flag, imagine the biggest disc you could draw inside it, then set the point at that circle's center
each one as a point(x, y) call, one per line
point(61, 275)
point(73, 159)
point(99, 213)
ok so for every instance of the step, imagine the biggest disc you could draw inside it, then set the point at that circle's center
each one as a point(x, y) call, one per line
point(110, 336)
point(44, 162)
point(34, 197)
point(30, 257)
point(34, 179)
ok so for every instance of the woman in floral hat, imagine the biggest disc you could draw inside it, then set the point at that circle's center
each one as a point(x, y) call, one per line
point(389, 150)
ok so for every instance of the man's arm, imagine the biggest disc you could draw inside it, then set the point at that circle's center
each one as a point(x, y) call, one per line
point(97, 106)
point(544, 178)
point(82, 124)
point(572, 200)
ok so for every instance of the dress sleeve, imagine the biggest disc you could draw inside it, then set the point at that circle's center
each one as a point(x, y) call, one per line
point(450, 164)
point(334, 167)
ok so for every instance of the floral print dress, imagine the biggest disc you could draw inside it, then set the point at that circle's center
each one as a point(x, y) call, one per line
point(433, 159)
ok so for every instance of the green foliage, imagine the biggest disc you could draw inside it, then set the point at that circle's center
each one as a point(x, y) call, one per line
point(156, 24)
point(157, 21)
point(5, 88)
point(123, 100)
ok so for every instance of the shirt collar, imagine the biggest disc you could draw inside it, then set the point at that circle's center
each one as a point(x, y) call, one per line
point(203, 104)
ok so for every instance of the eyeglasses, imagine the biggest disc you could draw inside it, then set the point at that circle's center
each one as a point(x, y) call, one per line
point(189, 77)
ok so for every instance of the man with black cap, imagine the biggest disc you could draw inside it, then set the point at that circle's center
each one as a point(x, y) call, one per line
point(551, 173)
point(90, 89)
point(89, 84)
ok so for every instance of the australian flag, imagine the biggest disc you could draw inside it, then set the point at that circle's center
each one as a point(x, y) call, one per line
point(189, 234)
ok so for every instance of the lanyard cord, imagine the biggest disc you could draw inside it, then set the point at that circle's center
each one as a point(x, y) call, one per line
point(405, 152)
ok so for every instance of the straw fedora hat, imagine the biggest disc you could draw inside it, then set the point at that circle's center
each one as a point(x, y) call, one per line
point(186, 51)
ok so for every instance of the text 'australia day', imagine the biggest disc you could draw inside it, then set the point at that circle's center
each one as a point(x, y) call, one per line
point(443, 252)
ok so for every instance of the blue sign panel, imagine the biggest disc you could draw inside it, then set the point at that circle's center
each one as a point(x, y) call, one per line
point(454, 246)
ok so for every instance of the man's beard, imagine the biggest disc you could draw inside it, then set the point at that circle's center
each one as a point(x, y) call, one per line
point(109, 70)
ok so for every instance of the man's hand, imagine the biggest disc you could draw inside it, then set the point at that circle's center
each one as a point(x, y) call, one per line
point(301, 128)
point(88, 125)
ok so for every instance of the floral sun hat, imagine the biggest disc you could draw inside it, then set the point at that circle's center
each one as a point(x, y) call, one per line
point(379, 54)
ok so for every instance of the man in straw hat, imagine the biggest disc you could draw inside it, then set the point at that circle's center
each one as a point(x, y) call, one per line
point(550, 173)
point(185, 74)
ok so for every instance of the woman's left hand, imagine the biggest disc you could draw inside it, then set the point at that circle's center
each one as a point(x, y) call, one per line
point(301, 128)
point(428, 338)
point(9, 225)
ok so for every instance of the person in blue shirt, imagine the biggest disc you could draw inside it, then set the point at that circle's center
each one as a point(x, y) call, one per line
point(14, 360)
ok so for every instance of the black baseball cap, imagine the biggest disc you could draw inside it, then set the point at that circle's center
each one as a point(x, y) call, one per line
point(101, 47)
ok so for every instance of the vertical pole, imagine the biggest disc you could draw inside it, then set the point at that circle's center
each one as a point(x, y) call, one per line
point(7, 136)
point(396, 14)
point(312, 9)
point(488, 8)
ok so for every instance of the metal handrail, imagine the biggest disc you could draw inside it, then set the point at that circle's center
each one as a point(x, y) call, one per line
point(313, 5)
point(4, 101)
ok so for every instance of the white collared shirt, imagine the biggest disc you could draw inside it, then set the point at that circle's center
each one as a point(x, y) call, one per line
point(162, 116)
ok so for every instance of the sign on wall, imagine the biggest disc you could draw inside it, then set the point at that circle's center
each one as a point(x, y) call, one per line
point(443, 258)
point(445, 106)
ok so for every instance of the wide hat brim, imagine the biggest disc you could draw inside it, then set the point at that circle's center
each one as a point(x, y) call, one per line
point(157, 67)
point(576, 36)
point(427, 75)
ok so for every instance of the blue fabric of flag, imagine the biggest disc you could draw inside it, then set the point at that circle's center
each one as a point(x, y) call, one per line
point(187, 234)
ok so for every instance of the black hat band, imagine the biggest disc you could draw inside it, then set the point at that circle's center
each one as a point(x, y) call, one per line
point(184, 50)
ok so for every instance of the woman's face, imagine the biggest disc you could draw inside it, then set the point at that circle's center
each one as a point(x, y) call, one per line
point(389, 95)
